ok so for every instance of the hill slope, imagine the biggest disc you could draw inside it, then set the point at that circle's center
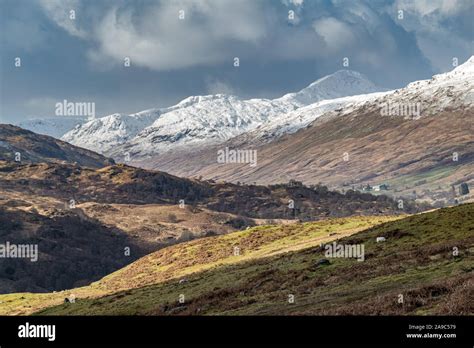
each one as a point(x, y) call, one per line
point(128, 185)
point(416, 261)
point(184, 259)
point(55, 126)
point(73, 249)
point(37, 148)
point(82, 218)
point(82, 244)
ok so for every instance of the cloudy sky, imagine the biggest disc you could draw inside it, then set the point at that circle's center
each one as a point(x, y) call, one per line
point(76, 49)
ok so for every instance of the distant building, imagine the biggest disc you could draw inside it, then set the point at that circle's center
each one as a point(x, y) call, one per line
point(463, 189)
point(382, 187)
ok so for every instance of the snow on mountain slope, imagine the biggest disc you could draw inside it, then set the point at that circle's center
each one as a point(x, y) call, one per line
point(448, 90)
point(105, 133)
point(53, 126)
point(205, 119)
point(211, 119)
point(302, 117)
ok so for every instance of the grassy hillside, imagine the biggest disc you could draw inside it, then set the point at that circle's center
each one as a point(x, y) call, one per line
point(182, 260)
point(415, 262)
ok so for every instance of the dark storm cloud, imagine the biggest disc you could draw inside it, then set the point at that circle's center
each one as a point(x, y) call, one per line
point(82, 59)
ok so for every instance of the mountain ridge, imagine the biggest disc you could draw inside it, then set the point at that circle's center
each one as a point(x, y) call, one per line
point(200, 120)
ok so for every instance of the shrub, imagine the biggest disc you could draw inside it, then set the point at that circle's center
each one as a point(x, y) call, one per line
point(172, 218)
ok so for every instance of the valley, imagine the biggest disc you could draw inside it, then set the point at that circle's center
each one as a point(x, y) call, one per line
point(90, 220)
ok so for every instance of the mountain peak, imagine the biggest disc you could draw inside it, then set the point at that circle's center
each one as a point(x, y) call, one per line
point(342, 83)
point(467, 66)
point(340, 74)
point(196, 99)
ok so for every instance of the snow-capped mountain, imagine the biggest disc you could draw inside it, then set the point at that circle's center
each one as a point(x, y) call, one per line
point(205, 119)
point(104, 133)
point(213, 119)
point(384, 147)
point(53, 126)
point(447, 90)
point(210, 119)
